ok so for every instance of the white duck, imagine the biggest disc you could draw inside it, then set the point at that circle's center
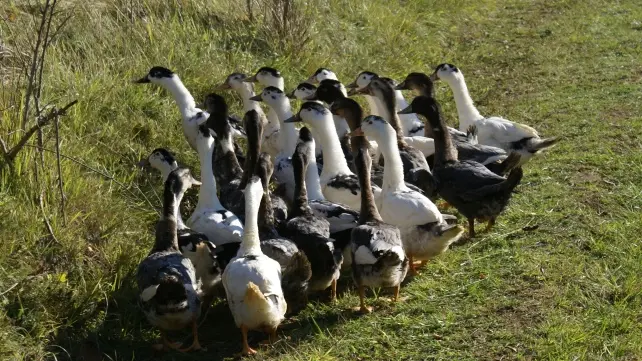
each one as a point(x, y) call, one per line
point(210, 217)
point(493, 131)
point(424, 230)
point(252, 280)
point(338, 183)
point(322, 74)
point(192, 115)
point(303, 92)
point(236, 82)
point(276, 99)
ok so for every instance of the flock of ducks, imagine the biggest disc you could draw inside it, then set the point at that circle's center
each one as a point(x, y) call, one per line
point(350, 192)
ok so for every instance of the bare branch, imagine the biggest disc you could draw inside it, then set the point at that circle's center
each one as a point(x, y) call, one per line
point(11, 155)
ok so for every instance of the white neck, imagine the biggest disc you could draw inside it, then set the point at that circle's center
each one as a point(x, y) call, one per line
point(288, 134)
point(373, 104)
point(334, 162)
point(182, 96)
point(393, 167)
point(340, 125)
point(207, 194)
point(246, 92)
point(276, 82)
point(251, 243)
point(312, 182)
point(177, 212)
point(401, 101)
point(227, 144)
point(466, 110)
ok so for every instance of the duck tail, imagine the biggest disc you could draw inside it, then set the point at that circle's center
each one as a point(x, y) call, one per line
point(391, 258)
point(298, 270)
point(513, 179)
point(255, 298)
point(534, 145)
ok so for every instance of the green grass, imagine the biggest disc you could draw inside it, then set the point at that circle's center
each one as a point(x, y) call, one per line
point(571, 289)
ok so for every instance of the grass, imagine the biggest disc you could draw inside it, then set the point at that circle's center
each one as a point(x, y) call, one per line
point(559, 278)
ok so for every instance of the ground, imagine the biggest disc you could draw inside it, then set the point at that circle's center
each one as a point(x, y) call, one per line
point(559, 277)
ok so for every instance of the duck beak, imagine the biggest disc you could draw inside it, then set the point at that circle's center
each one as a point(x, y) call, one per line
point(251, 79)
point(312, 80)
point(291, 94)
point(143, 163)
point(352, 91)
point(143, 80)
point(406, 110)
point(257, 98)
point(434, 76)
point(352, 85)
point(223, 86)
point(401, 86)
point(312, 97)
point(293, 119)
point(356, 133)
point(195, 182)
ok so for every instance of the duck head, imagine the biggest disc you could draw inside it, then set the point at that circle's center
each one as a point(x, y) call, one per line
point(157, 75)
point(160, 159)
point(418, 82)
point(330, 91)
point(182, 180)
point(267, 76)
point(349, 110)
point(363, 79)
point(321, 74)
point(303, 91)
point(235, 81)
point(312, 114)
point(447, 72)
point(273, 97)
point(375, 127)
point(426, 106)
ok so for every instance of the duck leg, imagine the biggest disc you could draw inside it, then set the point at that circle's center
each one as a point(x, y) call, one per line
point(247, 350)
point(471, 227)
point(165, 345)
point(333, 291)
point(413, 269)
point(490, 224)
point(362, 301)
point(196, 346)
point(272, 338)
point(395, 298)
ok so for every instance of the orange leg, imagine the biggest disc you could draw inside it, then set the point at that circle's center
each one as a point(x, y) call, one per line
point(165, 345)
point(413, 269)
point(362, 301)
point(333, 291)
point(196, 346)
point(396, 296)
point(490, 224)
point(247, 350)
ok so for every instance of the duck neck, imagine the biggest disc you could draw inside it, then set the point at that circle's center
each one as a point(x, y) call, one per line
point(390, 115)
point(401, 101)
point(369, 211)
point(393, 167)
point(288, 133)
point(340, 125)
point(181, 95)
point(466, 110)
point(166, 237)
point(247, 91)
point(300, 192)
point(177, 213)
point(251, 243)
point(312, 182)
point(207, 194)
point(445, 152)
point(266, 213)
point(334, 162)
point(373, 104)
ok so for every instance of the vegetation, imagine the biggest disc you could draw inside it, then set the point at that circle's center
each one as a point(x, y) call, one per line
point(559, 277)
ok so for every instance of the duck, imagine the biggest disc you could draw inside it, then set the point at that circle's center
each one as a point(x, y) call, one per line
point(425, 232)
point(495, 159)
point(267, 76)
point(493, 131)
point(303, 91)
point(236, 82)
point(252, 280)
point(276, 99)
point(208, 260)
point(295, 267)
point(378, 257)
point(210, 217)
point(410, 123)
point(338, 183)
point(474, 190)
point(169, 291)
point(311, 233)
point(341, 218)
point(191, 115)
point(362, 80)
point(415, 166)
